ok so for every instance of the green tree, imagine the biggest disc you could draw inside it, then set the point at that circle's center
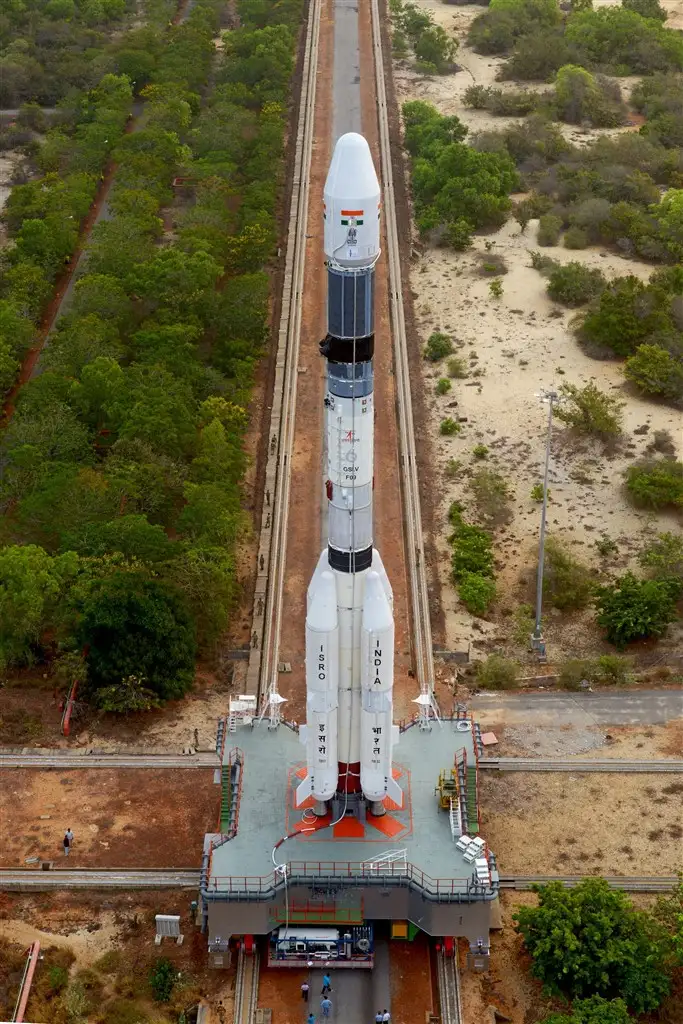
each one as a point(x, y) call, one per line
point(476, 592)
point(574, 284)
point(31, 582)
point(589, 941)
point(633, 609)
point(135, 626)
point(627, 314)
point(595, 1010)
point(176, 280)
point(129, 695)
point(591, 411)
point(100, 396)
point(656, 371)
point(130, 535)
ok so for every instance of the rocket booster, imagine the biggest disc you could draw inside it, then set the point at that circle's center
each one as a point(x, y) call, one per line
point(349, 731)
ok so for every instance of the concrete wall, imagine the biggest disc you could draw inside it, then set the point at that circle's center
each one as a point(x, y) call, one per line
point(471, 920)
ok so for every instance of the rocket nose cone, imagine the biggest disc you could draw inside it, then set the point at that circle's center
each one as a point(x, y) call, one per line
point(322, 615)
point(376, 610)
point(352, 170)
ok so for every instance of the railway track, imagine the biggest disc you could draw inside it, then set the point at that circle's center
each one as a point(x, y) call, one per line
point(537, 764)
point(627, 884)
point(68, 759)
point(272, 557)
point(186, 878)
point(414, 546)
point(246, 987)
point(448, 977)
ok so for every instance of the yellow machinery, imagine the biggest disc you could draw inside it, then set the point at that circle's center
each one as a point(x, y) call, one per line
point(447, 788)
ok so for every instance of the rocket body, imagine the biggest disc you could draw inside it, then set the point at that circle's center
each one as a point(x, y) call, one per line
point(349, 730)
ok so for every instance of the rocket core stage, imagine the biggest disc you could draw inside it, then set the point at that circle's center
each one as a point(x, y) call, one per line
point(349, 731)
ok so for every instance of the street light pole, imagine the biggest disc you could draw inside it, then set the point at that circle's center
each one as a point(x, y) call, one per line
point(537, 643)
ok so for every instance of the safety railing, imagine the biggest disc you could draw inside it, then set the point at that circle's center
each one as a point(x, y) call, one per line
point(451, 890)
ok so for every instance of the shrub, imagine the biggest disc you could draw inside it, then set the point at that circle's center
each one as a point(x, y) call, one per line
point(58, 978)
point(656, 483)
point(537, 57)
point(590, 411)
point(549, 227)
point(125, 1011)
point(607, 670)
point(537, 492)
point(606, 546)
point(449, 426)
point(457, 367)
point(480, 451)
point(566, 581)
point(663, 556)
point(438, 347)
point(497, 673)
point(621, 39)
point(476, 592)
point(627, 313)
point(656, 371)
point(543, 264)
point(632, 609)
point(443, 386)
point(574, 284)
point(492, 497)
point(646, 8)
point(496, 288)
point(453, 467)
point(162, 978)
point(585, 98)
point(575, 238)
point(491, 263)
point(472, 551)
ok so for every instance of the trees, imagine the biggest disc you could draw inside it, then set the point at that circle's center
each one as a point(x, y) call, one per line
point(135, 626)
point(589, 941)
point(31, 582)
point(633, 609)
point(627, 313)
point(656, 372)
point(590, 411)
point(595, 1010)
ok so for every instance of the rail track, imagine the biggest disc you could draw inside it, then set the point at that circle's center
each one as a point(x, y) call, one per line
point(246, 987)
point(272, 556)
point(69, 759)
point(606, 764)
point(188, 878)
point(414, 543)
point(448, 977)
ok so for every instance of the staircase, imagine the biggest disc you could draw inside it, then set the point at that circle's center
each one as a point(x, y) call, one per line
point(226, 797)
point(472, 810)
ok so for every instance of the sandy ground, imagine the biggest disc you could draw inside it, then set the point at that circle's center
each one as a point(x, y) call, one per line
point(559, 823)
point(522, 739)
point(520, 344)
point(127, 818)
point(90, 925)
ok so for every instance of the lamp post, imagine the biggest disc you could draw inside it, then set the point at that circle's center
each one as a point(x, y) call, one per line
point(537, 643)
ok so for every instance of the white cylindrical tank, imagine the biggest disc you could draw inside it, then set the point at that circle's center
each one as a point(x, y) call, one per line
point(350, 591)
point(352, 205)
point(377, 682)
point(322, 682)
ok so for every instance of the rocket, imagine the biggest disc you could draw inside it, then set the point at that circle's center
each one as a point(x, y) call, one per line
point(349, 732)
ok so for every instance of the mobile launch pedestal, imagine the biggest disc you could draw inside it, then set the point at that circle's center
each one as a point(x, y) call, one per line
point(341, 832)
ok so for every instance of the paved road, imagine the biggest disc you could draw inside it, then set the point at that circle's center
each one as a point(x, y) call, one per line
point(356, 995)
point(625, 707)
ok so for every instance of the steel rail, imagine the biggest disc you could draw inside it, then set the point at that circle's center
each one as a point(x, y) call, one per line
point(448, 976)
point(414, 542)
point(627, 884)
point(240, 972)
point(69, 759)
point(606, 764)
point(269, 591)
point(189, 878)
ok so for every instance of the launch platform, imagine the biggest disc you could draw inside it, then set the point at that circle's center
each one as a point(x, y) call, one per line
point(280, 865)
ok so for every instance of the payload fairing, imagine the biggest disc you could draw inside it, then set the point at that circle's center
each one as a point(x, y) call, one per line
point(349, 731)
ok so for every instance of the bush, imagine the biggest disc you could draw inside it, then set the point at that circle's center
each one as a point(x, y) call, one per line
point(537, 57)
point(537, 492)
point(476, 592)
point(492, 264)
point(567, 582)
point(574, 284)
point(497, 673)
point(453, 467)
point(58, 979)
point(457, 367)
point(549, 227)
point(656, 484)
point(663, 556)
point(472, 551)
point(620, 39)
point(607, 670)
point(656, 372)
point(162, 978)
point(627, 313)
point(590, 411)
point(480, 451)
point(575, 238)
point(646, 8)
point(448, 427)
point(496, 288)
point(438, 347)
point(582, 98)
point(492, 496)
point(443, 386)
point(632, 609)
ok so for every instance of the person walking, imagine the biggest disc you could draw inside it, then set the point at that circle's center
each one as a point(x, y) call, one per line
point(386, 1016)
point(68, 841)
point(379, 1017)
point(327, 984)
point(310, 1019)
point(326, 1006)
point(304, 991)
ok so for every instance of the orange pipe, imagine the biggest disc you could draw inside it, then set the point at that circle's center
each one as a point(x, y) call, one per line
point(28, 981)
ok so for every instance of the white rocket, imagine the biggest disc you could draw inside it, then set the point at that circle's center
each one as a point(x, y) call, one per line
point(349, 733)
